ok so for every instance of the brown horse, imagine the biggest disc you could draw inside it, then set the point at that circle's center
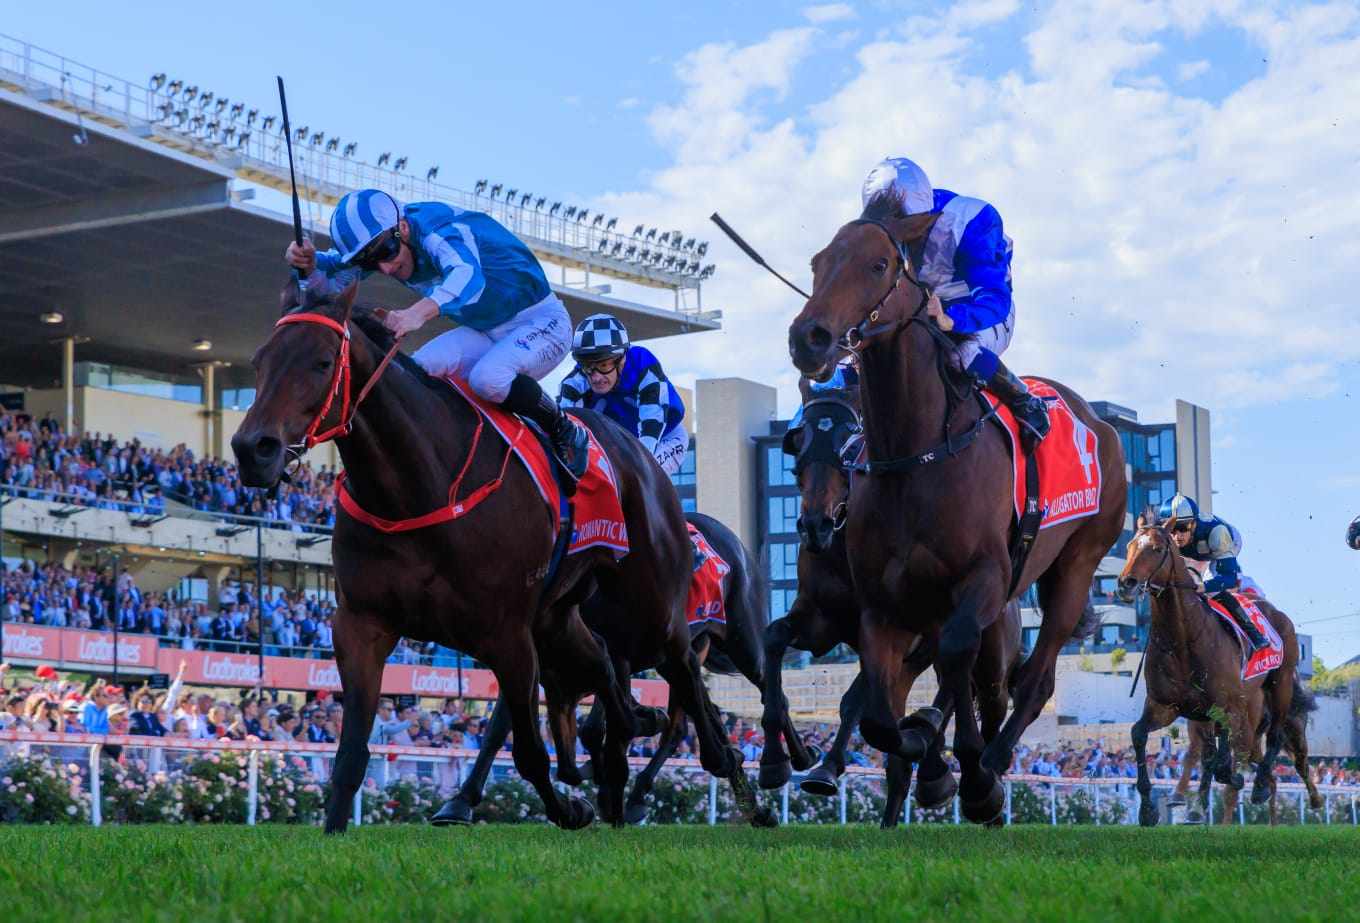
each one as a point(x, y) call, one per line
point(930, 522)
point(825, 613)
point(1194, 670)
point(478, 581)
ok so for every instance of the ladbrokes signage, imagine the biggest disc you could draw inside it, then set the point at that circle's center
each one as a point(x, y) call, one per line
point(28, 643)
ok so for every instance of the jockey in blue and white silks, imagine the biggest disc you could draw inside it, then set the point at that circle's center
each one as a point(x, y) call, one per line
point(1210, 539)
point(466, 266)
point(626, 383)
point(967, 264)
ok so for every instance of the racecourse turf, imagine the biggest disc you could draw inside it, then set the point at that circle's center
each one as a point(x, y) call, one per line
point(815, 874)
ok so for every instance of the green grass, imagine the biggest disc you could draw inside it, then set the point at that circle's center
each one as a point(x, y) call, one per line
point(918, 873)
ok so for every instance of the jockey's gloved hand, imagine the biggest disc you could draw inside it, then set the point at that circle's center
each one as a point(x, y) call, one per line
point(1353, 534)
point(935, 310)
point(302, 256)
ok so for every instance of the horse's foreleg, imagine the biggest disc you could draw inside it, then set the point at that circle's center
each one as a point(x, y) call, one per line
point(635, 810)
point(458, 809)
point(977, 604)
point(935, 784)
point(361, 648)
point(1063, 599)
point(1155, 715)
point(1296, 730)
point(821, 780)
point(1193, 752)
point(898, 772)
point(882, 649)
point(775, 768)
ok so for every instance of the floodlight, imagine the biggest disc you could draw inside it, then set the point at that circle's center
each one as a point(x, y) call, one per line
point(431, 173)
point(350, 149)
point(400, 164)
point(384, 157)
point(332, 145)
point(480, 187)
point(610, 225)
point(157, 81)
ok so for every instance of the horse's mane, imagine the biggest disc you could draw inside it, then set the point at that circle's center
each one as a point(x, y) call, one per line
point(367, 319)
point(886, 205)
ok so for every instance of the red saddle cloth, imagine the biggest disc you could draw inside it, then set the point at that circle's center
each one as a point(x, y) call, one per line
point(598, 511)
point(705, 602)
point(1068, 458)
point(1267, 658)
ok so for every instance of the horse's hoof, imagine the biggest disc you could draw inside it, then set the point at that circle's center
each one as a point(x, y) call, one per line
point(765, 818)
point(635, 813)
point(585, 771)
point(1147, 813)
point(914, 745)
point(936, 793)
point(1316, 802)
point(774, 775)
point(821, 782)
point(890, 820)
point(455, 812)
point(988, 808)
point(580, 813)
point(997, 759)
point(1176, 799)
point(569, 775)
point(814, 756)
point(1260, 793)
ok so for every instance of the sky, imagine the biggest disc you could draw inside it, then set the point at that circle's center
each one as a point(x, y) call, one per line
point(1181, 180)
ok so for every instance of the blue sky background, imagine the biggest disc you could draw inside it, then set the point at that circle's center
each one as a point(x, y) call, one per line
point(1181, 180)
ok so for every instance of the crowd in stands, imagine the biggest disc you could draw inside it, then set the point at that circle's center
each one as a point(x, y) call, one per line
point(47, 702)
point(37, 458)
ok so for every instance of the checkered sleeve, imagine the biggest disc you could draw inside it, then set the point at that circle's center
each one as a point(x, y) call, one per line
point(653, 397)
point(572, 392)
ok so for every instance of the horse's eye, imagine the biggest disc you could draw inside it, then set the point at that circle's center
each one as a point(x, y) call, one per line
point(323, 366)
point(880, 267)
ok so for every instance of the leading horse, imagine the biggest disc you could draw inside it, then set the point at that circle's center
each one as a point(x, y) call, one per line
point(931, 520)
point(467, 565)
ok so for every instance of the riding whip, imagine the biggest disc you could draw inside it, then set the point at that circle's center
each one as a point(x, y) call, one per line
point(292, 178)
point(1137, 673)
point(750, 251)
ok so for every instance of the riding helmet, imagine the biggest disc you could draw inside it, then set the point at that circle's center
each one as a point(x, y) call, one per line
point(359, 218)
point(599, 336)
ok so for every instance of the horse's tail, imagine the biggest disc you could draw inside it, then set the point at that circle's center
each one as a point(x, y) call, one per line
point(1088, 624)
point(1303, 701)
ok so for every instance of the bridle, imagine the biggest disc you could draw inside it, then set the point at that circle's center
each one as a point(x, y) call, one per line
point(825, 450)
point(1157, 589)
point(853, 340)
point(341, 378)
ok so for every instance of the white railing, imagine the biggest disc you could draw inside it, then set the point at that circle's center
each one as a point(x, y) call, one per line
point(237, 137)
point(1341, 803)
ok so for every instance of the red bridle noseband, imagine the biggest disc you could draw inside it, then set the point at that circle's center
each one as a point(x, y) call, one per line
point(340, 385)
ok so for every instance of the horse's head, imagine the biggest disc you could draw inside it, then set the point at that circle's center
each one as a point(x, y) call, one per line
point(1150, 563)
point(819, 445)
point(298, 380)
point(853, 279)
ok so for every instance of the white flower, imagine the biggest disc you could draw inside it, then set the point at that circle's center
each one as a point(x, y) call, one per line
point(28, 798)
point(71, 810)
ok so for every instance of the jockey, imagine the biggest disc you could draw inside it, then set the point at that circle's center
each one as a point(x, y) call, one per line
point(626, 384)
point(1201, 539)
point(967, 266)
point(512, 330)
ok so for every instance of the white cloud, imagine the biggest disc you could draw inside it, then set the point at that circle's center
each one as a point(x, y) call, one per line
point(1165, 246)
point(1192, 69)
point(629, 102)
point(828, 12)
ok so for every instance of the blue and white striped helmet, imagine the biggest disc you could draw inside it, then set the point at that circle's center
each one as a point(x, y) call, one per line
point(360, 217)
point(1178, 508)
point(906, 179)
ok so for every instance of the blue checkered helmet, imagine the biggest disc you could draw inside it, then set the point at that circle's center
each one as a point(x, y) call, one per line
point(359, 218)
point(599, 336)
point(1177, 509)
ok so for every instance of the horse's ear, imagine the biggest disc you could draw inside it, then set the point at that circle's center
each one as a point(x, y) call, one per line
point(289, 297)
point(914, 228)
point(345, 301)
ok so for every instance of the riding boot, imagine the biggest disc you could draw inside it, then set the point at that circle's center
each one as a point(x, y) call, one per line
point(1030, 411)
point(570, 443)
point(1257, 640)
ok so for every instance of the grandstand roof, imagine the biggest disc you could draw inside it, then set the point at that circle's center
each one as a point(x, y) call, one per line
point(144, 249)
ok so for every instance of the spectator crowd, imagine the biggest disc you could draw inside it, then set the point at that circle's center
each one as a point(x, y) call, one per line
point(37, 459)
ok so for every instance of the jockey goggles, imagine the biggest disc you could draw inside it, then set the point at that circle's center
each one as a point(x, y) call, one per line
point(383, 249)
point(602, 367)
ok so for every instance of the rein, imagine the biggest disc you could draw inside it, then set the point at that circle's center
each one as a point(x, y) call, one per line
point(341, 385)
point(1156, 589)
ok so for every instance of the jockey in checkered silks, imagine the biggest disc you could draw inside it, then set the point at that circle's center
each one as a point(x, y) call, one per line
point(512, 330)
point(967, 265)
point(1211, 539)
point(626, 384)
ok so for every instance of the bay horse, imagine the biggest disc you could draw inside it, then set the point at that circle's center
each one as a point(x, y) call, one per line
point(930, 521)
point(1194, 670)
point(729, 648)
point(472, 574)
point(825, 613)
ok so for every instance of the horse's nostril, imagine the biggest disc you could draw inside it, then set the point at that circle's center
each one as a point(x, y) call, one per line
point(267, 448)
point(818, 337)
